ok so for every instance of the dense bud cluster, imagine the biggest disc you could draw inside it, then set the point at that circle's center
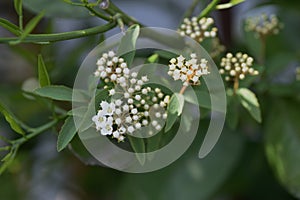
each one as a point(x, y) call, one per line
point(198, 29)
point(134, 105)
point(188, 71)
point(263, 25)
point(237, 67)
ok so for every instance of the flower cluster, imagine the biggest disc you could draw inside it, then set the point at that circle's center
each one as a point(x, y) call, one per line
point(263, 25)
point(198, 29)
point(188, 71)
point(111, 68)
point(134, 106)
point(236, 67)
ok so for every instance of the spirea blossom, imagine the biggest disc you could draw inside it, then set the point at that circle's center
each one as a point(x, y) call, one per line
point(188, 71)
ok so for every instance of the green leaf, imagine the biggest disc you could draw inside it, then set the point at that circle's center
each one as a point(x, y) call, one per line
point(11, 119)
point(61, 93)
point(127, 46)
point(138, 146)
point(66, 134)
point(43, 74)
point(56, 8)
point(10, 26)
point(174, 110)
point(29, 27)
point(79, 150)
point(18, 6)
point(250, 102)
point(229, 5)
point(283, 143)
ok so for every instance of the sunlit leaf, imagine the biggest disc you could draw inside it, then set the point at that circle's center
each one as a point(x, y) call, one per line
point(230, 4)
point(249, 101)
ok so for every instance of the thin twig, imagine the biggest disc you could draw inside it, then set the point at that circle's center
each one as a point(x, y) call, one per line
point(56, 37)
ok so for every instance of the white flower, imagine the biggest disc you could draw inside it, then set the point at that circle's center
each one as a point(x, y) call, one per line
point(108, 108)
point(190, 71)
point(112, 92)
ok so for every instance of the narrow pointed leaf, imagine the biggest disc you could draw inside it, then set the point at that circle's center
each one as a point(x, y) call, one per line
point(11, 119)
point(18, 6)
point(66, 134)
point(229, 4)
point(43, 74)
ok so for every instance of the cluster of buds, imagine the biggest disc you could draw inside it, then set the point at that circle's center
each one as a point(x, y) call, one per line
point(263, 25)
point(198, 29)
point(133, 104)
point(237, 67)
point(188, 71)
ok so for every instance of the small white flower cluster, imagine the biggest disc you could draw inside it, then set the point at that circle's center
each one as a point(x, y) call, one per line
point(263, 25)
point(111, 68)
point(134, 104)
point(198, 29)
point(236, 67)
point(188, 71)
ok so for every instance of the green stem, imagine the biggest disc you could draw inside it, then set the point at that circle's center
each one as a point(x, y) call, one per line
point(209, 8)
point(10, 27)
point(37, 131)
point(55, 37)
point(98, 14)
point(5, 139)
point(126, 18)
point(6, 148)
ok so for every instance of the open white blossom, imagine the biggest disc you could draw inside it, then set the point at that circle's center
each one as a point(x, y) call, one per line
point(188, 71)
point(198, 29)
